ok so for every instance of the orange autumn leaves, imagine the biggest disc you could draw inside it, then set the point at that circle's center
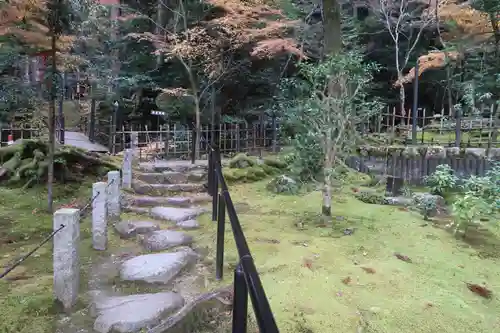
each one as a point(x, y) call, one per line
point(25, 20)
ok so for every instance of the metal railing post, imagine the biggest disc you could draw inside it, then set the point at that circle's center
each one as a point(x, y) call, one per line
point(221, 221)
point(215, 186)
point(210, 173)
point(240, 302)
point(195, 146)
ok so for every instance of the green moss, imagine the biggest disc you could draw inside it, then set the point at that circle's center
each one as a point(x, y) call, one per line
point(242, 161)
point(274, 162)
point(394, 299)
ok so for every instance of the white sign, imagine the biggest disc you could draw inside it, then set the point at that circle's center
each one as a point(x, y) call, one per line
point(157, 113)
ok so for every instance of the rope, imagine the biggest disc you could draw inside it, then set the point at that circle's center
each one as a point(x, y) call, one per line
point(26, 256)
point(83, 211)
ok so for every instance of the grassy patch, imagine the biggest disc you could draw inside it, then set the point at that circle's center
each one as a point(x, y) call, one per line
point(27, 303)
point(303, 265)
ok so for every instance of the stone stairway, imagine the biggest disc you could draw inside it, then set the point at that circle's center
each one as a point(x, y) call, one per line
point(166, 199)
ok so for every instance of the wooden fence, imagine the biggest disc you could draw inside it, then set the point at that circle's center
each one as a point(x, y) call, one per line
point(414, 169)
point(178, 140)
point(480, 130)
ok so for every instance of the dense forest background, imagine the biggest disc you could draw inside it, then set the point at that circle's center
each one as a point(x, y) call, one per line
point(202, 60)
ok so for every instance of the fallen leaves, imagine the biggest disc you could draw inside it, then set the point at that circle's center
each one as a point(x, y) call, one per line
point(368, 270)
point(308, 263)
point(347, 280)
point(402, 257)
point(479, 290)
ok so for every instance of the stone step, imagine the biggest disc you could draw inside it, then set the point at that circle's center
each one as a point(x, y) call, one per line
point(129, 229)
point(157, 267)
point(177, 166)
point(179, 201)
point(175, 214)
point(130, 314)
point(172, 177)
point(163, 189)
point(165, 239)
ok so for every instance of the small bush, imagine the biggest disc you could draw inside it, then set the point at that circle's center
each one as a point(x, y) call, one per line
point(283, 185)
point(371, 197)
point(241, 161)
point(275, 163)
point(442, 180)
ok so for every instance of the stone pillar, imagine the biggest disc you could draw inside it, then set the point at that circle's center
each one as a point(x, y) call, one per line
point(127, 169)
point(66, 257)
point(99, 218)
point(113, 196)
point(134, 143)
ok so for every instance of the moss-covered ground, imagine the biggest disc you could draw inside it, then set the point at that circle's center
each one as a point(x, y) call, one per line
point(26, 302)
point(312, 273)
point(304, 266)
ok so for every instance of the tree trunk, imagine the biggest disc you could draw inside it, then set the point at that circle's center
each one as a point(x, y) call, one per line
point(402, 98)
point(332, 25)
point(326, 208)
point(52, 117)
point(159, 30)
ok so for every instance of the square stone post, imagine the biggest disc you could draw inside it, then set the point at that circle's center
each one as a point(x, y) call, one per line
point(127, 169)
point(66, 256)
point(99, 217)
point(113, 196)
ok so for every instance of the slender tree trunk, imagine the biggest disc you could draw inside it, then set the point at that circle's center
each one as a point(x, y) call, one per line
point(402, 99)
point(332, 25)
point(326, 208)
point(52, 118)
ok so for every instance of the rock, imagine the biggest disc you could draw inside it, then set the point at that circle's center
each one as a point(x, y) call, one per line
point(128, 229)
point(283, 184)
point(130, 314)
point(197, 176)
point(165, 239)
point(176, 214)
point(398, 201)
point(439, 200)
point(475, 152)
point(138, 210)
point(174, 177)
point(189, 224)
point(162, 189)
point(157, 267)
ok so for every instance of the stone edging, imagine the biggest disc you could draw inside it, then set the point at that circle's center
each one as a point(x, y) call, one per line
point(428, 151)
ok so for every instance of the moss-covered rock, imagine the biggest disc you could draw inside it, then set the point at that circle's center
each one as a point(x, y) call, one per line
point(283, 185)
point(241, 161)
point(371, 197)
point(244, 168)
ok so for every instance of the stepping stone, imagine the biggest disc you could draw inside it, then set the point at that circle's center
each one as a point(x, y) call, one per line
point(166, 177)
point(162, 189)
point(175, 214)
point(186, 201)
point(188, 225)
point(178, 166)
point(157, 267)
point(197, 176)
point(179, 201)
point(165, 239)
point(138, 210)
point(128, 229)
point(130, 314)
point(144, 201)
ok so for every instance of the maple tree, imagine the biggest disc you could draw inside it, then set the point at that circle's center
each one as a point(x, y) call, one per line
point(211, 49)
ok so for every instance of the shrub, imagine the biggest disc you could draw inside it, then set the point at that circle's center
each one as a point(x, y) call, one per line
point(241, 161)
point(284, 185)
point(371, 197)
point(442, 180)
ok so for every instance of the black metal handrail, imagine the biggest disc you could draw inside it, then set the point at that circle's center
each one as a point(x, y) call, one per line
point(246, 277)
